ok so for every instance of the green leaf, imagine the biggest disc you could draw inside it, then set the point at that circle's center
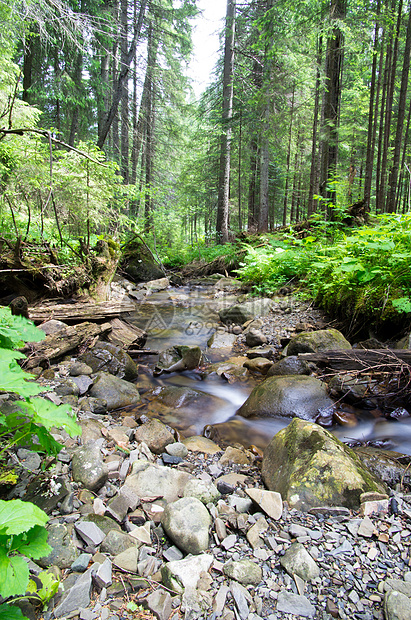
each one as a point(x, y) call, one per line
point(402, 304)
point(17, 516)
point(14, 575)
point(16, 330)
point(50, 586)
point(14, 379)
point(11, 612)
point(48, 414)
point(33, 544)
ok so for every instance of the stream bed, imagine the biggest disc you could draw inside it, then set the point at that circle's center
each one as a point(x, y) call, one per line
point(189, 316)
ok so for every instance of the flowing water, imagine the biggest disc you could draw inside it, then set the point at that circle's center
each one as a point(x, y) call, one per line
point(188, 316)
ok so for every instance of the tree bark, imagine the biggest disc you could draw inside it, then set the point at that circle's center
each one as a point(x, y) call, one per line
point(124, 168)
point(225, 154)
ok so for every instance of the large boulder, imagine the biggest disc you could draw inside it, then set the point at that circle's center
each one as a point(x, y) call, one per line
point(138, 262)
point(241, 313)
point(315, 342)
point(179, 358)
point(116, 392)
point(310, 467)
point(294, 396)
point(108, 357)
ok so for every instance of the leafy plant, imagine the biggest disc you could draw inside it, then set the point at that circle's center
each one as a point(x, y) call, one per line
point(22, 536)
point(30, 419)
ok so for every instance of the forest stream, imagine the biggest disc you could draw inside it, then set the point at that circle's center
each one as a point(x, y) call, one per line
point(188, 316)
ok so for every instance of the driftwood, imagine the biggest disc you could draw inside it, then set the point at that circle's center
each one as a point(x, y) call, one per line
point(56, 345)
point(124, 334)
point(80, 311)
point(383, 360)
point(132, 352)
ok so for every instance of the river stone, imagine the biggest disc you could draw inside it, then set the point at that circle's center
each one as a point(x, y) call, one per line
point(78, 596)
point(205, 491)
point(269, 501)
point(155, 435)
point(197, 443)
point(88, 467)
point(290, 603)
point(52, 327)
point(258, 364)
point(179, 358)
point(315, 342)
point(80, 368)
point(148, 480)
point(243, 571)
point(291, 365)
point(255, 338)
point(160, 284)
point(177, 449)
point(64, 551)
point(287, 397)
point(116, 392)
point(241, 313)
point(389, 466)
point(397, 606)
point(127, 560)
point(187, 522)
point(108, 357)
point(297, 561)
point(228, 284)
point(67, 387)
point(106, 524)
point(94, 405)
point(116, 542)
point(159, 603)
point(138, 262)
point(181, 574)
point(310, 467)
point(221, 340)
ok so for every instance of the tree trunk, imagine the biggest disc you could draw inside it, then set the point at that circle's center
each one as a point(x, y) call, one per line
point(224, 176)
point(287, 165)
point(314, 151)
point(124, 168)
point(370, 146)
point(400, 121)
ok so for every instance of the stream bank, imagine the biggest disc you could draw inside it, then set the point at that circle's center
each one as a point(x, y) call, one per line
point(359, 558)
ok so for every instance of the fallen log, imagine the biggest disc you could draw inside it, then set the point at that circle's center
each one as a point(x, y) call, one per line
point(132, 352)
point(124, 334)
point(55, 346)
point(383, 360)
point(80, 311)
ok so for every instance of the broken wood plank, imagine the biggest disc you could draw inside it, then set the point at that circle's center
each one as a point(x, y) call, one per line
point(59, 344)
point(80, 311)
point(124, 334)
point(384, 360)
point(142, 352)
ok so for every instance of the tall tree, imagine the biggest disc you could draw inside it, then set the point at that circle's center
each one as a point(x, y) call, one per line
point(227, 113)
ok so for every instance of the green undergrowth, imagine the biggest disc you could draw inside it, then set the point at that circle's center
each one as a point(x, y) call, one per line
point(361, 276)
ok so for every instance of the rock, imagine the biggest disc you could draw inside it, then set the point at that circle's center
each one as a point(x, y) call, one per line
point(237, 456)
point(185, 573)
point(397, 606)
point(160, 284)
point(240, 596)
point(197, 443)
point(255, 337)
point(309, 467)
point(269, 501)
point(296, 604)
point(315, 342)
point(64, 551)
point(147, 480)
point(52, 327)
point(116, 542)
point(77, 597)
point(103, 576)
point(387, 465)
point(89, 532)
point(221, 340)
point(263, 351)
point(258, 364)
point(187, 522)
point(155, 435)
point(297, 561)
point(88, 467)
point(244, 571)
point(95, 405)
point(127, 560)
point(241, 313)
point(287, 397)
point(28, 459)
point(205, 491)
point(67, 387)
point(116, 392)
point(228, 284)
point(138, 262)
point(108, 357)
point(83, 383)
point(81, 563)
point(290, 365)
point(80, 368)
point(354, 389)
point(177, 449)
point(179, 358)
point(106, 524)
point(159, 603)
point(398, 586)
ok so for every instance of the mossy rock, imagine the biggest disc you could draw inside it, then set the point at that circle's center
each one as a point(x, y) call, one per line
point(315, 342)
point(310, 467)
point(138, 262)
